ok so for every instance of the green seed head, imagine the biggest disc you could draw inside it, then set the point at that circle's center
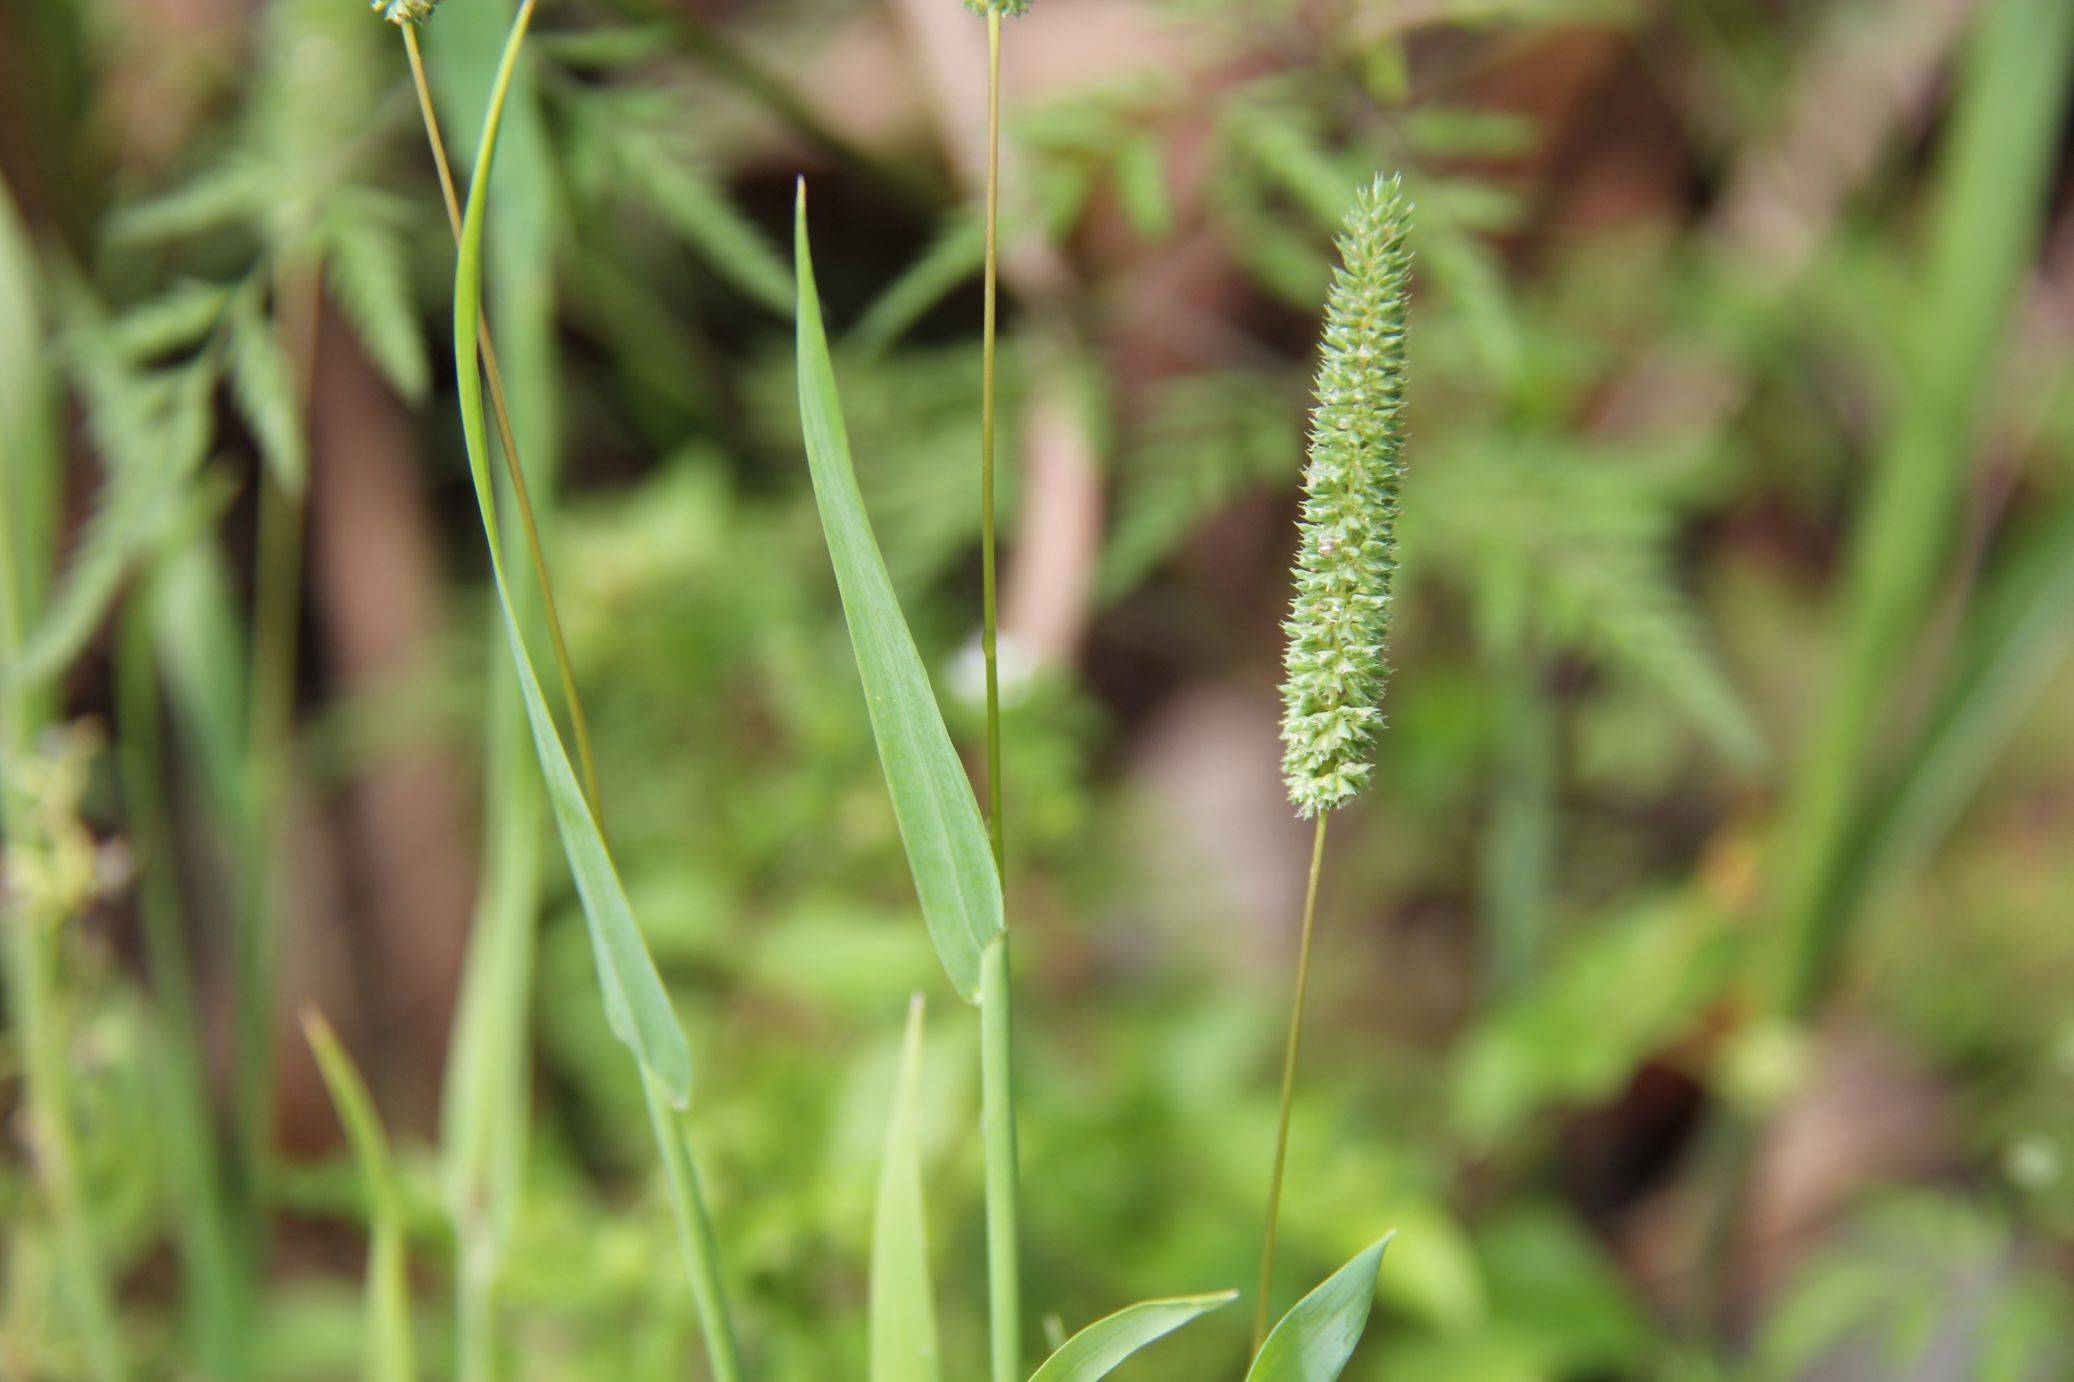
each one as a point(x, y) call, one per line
point(1011, 9)
point(1339, 622)
point(405, 11)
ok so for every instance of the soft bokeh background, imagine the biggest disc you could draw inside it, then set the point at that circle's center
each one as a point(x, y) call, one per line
point(1697, 983)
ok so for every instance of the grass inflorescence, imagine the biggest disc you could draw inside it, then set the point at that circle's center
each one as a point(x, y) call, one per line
point(1339, 623)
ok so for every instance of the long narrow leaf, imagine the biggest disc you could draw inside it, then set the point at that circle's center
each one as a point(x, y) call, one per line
point(389, 1351)
point(1316, 1338)
point(636, 1004)
point(2017, 637)
point(903, 1311)
point(1097, 1350)
point(932, 798)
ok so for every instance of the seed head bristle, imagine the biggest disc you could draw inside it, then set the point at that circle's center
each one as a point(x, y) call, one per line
point(404, 11)
point(1339, 621)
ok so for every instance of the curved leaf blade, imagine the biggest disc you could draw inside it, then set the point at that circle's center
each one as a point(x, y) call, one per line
point(903, 1309)
point(389, 1345)
point(1313, 1342)
point(1096, 1350)
point(636, 1004)
point(938, 816)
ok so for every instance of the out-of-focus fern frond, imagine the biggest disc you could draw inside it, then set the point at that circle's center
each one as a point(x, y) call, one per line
point(1576, 541)
point(176, 320)
point(630, 144)
point(1206, 440)
point(367, 262)
point(153, 430)
point(263, 383)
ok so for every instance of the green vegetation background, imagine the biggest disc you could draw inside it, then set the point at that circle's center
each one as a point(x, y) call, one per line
point(1695, 994)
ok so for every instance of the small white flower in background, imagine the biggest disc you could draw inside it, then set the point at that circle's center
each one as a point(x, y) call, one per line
point(968, 670)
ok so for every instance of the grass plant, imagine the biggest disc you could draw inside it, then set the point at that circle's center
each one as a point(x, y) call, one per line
point(1339, 624)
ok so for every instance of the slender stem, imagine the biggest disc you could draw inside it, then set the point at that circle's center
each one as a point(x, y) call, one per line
point(276, 624)
point(997, 1072)
point(521, 493)
point(989, 616)
point(215, 1281)
point(695, 1236)
point(997, 1130)
point(701, 1252)
point(1289, 1054)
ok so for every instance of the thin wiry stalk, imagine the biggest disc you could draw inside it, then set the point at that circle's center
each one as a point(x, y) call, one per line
point(1289, 1055)
point(997, 1073)
point(579, 723)
point(701, 1255)
point(481, 1258)
point(695, 1236)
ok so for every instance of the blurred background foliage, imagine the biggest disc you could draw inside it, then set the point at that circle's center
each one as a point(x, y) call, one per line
point(1699, 1001)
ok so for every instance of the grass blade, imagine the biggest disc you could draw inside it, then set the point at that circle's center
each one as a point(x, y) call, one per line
point(1097, 1350)
point(946, 843)
point(1316, 1338)
point(636, 1004)
point(388, 1287)
point(903, 1309)
point(2018, 637)
point(1995, 176)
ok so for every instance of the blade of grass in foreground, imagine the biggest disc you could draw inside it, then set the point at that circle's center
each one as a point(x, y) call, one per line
point(903, 1310)
point(1101, 1348)
point(636, 1004)
point(1995, 178)
point(956, 870)
point(946, 843)
point(388, 1341)
point(1317, 1337)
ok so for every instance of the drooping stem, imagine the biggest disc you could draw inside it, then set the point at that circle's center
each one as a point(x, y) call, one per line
point(997, 1074)
point(1289, 1055)
point(695, 1236)
point(700, 1250)
point(507, 436)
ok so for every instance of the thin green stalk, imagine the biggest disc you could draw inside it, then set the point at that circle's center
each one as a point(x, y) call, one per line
point(477, 1219)
point(695, 1236)
point(1289, 1055)
point(997, 1131)
point(989, 616)
point(997, 1075)
point(213, 1278)
point(514, 466)
point(695, 1231)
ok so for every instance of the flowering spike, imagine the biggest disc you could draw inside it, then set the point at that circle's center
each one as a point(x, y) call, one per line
point(401, 12)
point(1339, 621)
